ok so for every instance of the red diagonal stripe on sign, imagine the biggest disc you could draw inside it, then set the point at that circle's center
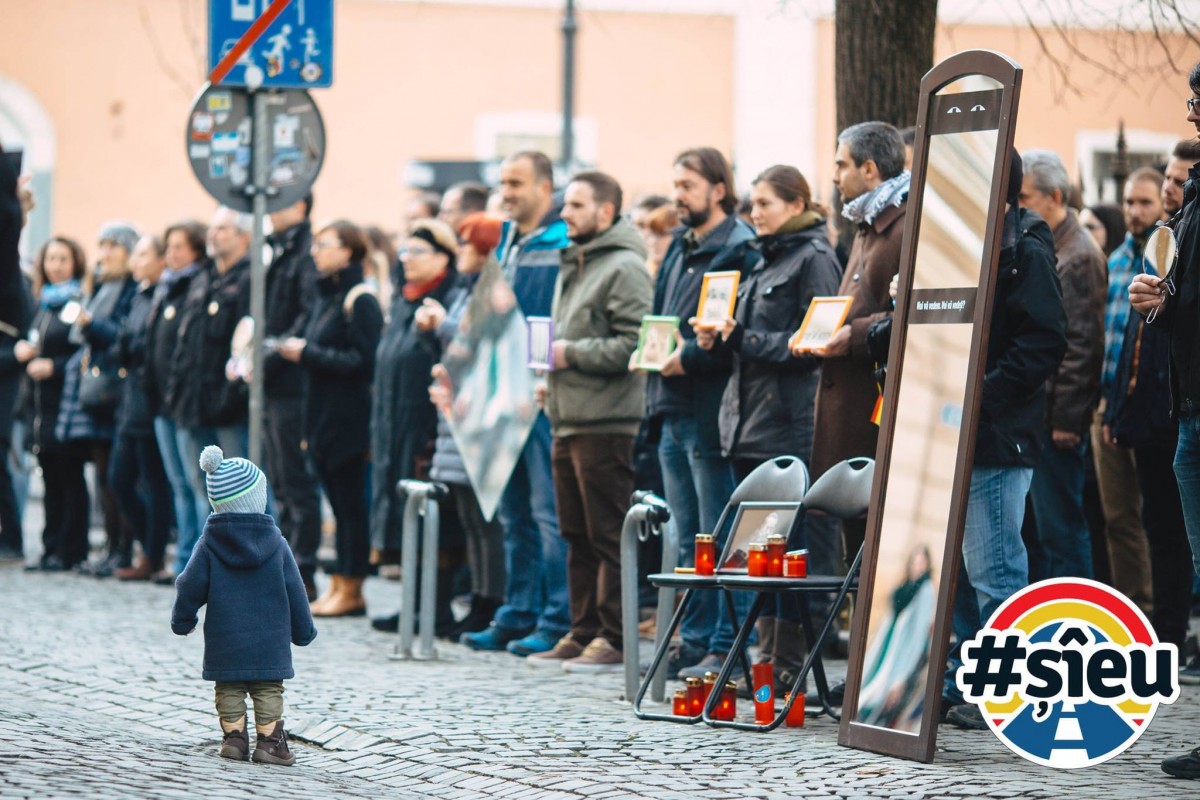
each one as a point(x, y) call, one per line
point(252, 34)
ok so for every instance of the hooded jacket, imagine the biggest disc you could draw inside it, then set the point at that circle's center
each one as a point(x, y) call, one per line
point(1026, 343)
point(244, 571)
point(602, 294)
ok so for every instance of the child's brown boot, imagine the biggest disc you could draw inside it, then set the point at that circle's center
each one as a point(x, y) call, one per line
point(273, 748)
point(235, 745)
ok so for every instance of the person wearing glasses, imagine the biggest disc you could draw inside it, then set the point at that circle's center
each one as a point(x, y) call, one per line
point(337, 357)
point(1171, 303)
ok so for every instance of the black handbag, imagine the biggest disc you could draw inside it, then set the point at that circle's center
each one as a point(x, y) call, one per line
point(99, 391)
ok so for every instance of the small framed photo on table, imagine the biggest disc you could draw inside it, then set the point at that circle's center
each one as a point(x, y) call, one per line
point(718, 299)
point(825, 316)
point(541, 337)
point(656, 342)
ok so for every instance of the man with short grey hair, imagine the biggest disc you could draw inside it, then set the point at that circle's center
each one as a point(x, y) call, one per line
point(1056, 491)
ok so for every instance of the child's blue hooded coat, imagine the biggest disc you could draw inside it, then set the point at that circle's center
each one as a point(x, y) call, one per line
point(257, 608)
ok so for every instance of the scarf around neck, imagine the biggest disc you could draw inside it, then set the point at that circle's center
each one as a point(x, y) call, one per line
point(415, 291)
point(171, 277)
point(56, 295)
point(864, 209)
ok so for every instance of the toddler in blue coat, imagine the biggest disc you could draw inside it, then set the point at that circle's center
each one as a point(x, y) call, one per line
point(257, 607)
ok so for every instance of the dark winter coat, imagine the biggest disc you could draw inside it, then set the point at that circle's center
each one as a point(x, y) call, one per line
point(767, 408)
point(727, 248)
point(134, 414)
point(16, 309)
point(847, 392)
point(291, 284)
point(200, 393)
point(403, 420)
point(11, 372)
point(162, 336)
point(109, 306)
point(339, 363)
point(1026, 343)
point(45, 397)
point(244, 571)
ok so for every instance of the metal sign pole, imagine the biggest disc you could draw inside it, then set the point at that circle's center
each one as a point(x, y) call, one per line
point(258, 310)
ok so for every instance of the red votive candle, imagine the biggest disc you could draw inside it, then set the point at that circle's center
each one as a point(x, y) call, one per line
point(706, 554)
point(679, 706)
point(776, 547)
point(710, 683)
point(695, 697)
point(727, 706)
point(763, 676)
point(756, 565)
point(795, 564)
point(795, 717)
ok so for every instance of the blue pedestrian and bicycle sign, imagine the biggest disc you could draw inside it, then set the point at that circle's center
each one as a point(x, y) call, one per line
point(294, 52)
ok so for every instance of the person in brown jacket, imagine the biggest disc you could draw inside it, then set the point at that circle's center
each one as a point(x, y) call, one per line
point(1072, 393)
point(869, 172)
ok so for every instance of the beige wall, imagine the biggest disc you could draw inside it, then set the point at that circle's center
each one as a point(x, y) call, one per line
point(117, 78)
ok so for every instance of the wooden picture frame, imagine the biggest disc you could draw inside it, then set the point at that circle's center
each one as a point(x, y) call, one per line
point(718, 298)
point(949, 102)
point(825, 316)
point(541, 343)
point(656, 342)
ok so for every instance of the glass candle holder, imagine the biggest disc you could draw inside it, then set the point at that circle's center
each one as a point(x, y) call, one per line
point(763, 676)
point(776, 547)
point(710, 683)
point(795, 717)
point(706, 554)
point(695, 697)
point(680, 706)
point(727, 706)
point(756, 565)
point(795, 564)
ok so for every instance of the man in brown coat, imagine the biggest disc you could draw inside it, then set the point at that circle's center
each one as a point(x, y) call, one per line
point(1072, 392)
point(869, 172)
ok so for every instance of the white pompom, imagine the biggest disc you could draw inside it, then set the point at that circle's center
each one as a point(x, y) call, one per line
point(211, 458)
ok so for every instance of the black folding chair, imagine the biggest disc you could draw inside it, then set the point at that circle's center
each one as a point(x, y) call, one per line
point(843, 492)
point(782, 479)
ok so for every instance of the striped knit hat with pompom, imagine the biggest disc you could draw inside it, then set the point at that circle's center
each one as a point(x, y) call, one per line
point(235, 485)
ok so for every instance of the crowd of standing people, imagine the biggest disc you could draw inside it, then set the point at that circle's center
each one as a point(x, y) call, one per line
point(126, 362)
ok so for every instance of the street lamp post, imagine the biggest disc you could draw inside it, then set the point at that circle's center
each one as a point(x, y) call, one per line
point(569, 28)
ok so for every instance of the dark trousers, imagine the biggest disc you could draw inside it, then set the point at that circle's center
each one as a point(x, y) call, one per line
point(120, 541)
point(1170, 550)
point(139, 482)
point(485, 544)
point(593, 481)
point(298, 501)
point(67, 512)
point(10, 512)
point(346, 487)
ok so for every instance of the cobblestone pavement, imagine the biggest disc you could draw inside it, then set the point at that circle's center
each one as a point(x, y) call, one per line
point(99, 699)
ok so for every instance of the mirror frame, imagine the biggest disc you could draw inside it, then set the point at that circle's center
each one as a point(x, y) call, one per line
point(922, 745)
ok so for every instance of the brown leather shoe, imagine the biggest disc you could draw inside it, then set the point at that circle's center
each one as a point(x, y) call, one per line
point(331, 592)
point(235, 745)
point(143, 570)
point(346, 602)
point(273, 749)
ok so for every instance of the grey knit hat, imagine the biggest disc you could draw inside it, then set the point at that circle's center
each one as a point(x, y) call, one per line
point(235, 485)
point(121, 232)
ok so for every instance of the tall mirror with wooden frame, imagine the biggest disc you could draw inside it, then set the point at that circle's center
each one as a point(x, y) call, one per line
point(952, 233)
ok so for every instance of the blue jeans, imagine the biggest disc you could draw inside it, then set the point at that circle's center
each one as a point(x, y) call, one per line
point(698, 482)
point(1056, 493)
point(1187, 475)
point(995, 564)
point(233, 441)
point(187, 524)
point(534, 552)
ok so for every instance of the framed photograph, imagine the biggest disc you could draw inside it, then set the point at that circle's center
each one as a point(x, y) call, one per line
point(753, 523)
point(825, 316)
point(656, 342)
point(718, 298)
point(541, 336)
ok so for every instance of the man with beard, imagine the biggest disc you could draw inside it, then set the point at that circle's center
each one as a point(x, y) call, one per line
point(1183, 158)
point(595, 405)
point(683, 400)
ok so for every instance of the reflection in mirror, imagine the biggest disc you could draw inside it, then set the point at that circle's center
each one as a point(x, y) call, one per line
point(492, 405)
point(931, 394)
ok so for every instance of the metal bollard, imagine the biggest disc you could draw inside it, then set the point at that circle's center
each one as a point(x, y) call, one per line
point(421, 501)
point(648, 515)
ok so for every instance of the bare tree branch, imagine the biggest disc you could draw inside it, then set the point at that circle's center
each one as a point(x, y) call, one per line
point(163, 62)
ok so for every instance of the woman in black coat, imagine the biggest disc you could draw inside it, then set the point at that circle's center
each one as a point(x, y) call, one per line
point(58, 287)
point(768, 404)
point(337, 354)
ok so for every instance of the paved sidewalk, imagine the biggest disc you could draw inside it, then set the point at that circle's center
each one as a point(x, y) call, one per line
point(99, 699)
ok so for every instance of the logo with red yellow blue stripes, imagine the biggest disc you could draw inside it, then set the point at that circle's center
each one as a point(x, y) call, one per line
point(1068, 673)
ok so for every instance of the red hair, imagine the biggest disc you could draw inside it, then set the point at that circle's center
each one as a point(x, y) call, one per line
point(481, 230)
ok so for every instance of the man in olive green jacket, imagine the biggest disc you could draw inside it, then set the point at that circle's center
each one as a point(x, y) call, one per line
point(595, 405)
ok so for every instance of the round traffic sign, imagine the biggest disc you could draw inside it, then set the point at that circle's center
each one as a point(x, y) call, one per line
point(220, 145)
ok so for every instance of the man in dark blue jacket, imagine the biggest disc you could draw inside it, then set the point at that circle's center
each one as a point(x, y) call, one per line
point(684, 400)
point(1026, 343)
